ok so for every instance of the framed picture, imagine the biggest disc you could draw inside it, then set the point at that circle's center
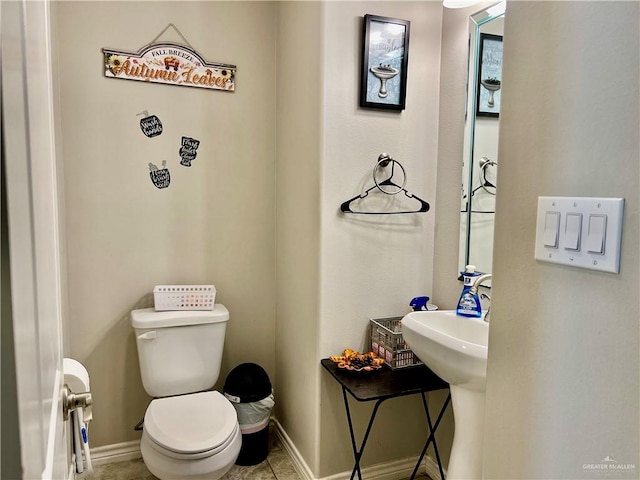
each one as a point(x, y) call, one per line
point(383, 83)
point(489, 75)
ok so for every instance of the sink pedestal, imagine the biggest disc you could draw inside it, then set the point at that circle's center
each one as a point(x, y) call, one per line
point(465, 462)
point(455, 348)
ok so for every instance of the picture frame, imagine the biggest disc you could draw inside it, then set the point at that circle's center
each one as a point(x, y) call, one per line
point(489, 80)
point(385, 58)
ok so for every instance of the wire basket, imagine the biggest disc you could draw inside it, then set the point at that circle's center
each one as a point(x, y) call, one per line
point(387, 342)
point(184, 297)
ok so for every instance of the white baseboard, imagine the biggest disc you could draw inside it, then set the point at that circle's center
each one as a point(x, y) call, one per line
point(118, 452)
point(432, 468)
point(299, 464)
point(393, 470)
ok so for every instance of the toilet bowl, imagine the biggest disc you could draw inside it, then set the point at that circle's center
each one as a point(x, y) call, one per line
point(193, 436)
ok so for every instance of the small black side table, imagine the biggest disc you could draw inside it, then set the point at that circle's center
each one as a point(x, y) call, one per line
point(382, 385)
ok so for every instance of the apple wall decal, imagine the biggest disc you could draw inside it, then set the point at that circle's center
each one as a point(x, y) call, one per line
point(150, 125)
point(160, 176)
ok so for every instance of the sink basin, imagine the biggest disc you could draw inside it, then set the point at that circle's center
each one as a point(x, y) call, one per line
point(455, 348)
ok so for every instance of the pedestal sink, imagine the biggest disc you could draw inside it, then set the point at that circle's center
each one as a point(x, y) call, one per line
point(491, 85)
point(384, 73)
point(455, 349)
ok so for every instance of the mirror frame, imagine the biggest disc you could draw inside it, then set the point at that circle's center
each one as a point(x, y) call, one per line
point(476, 21)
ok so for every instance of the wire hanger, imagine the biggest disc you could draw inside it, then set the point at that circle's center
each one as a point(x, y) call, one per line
point(383, 161)
point(484, 183)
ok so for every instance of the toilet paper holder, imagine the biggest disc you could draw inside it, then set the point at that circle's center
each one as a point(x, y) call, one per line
point(72, 401)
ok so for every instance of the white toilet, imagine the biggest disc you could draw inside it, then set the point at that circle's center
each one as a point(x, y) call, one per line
point(189, 433)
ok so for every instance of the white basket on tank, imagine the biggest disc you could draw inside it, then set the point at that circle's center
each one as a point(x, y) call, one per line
point(184, 297)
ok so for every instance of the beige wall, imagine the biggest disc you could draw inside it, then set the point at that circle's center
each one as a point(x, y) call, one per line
point(453, 87)
point(562, 382)
point(371, 266)
point(215, 223)
point(334, 271)
point(125, 236)
point(299, 130)
point(453, 84)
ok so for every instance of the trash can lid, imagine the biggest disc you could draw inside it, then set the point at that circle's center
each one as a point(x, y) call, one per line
point(248, 382)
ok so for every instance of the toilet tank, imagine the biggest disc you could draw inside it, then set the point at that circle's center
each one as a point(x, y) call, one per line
point(179, 351)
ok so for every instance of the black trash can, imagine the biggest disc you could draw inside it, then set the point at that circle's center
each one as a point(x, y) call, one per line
point(249, 389)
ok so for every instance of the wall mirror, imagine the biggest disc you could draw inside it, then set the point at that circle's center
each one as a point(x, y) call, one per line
point(480, 158)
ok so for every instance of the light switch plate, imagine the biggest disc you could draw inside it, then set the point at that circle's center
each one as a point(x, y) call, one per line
point(586, 208)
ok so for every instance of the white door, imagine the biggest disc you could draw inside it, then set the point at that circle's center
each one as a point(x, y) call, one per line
point(34, 246)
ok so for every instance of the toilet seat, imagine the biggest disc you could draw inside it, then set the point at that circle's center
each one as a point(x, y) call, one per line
point(191, 426)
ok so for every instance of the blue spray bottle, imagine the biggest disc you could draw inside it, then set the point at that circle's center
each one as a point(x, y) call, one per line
point(419, 303)
point(469, 303)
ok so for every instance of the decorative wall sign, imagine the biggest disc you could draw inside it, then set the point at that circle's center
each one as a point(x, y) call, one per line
point(188, 151)
point(171, 64)
point(489, 75)
point(150, 125)
point(385, 58)
point(160, 176)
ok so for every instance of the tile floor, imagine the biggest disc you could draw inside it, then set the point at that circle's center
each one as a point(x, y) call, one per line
point(277, 466)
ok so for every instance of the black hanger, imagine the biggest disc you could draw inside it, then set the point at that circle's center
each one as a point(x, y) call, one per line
point(383, 161)
point(473, 192)
point(479, 187)
point(484, 163)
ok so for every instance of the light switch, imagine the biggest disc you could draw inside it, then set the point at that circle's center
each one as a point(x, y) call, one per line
point(572, 231)
point(551, 229)
point(596, 234)
point(589, 233)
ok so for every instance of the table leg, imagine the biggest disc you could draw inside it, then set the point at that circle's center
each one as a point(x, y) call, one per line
point(357, 453)
point(431, 437)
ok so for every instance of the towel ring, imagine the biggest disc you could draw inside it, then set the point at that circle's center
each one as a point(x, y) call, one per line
point(484, 183)
point(383, 161)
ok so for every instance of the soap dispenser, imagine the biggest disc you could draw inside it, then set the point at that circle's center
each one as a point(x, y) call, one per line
point(469, 303)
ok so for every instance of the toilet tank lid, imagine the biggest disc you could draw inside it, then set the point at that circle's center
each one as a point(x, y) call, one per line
point(150, 318)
